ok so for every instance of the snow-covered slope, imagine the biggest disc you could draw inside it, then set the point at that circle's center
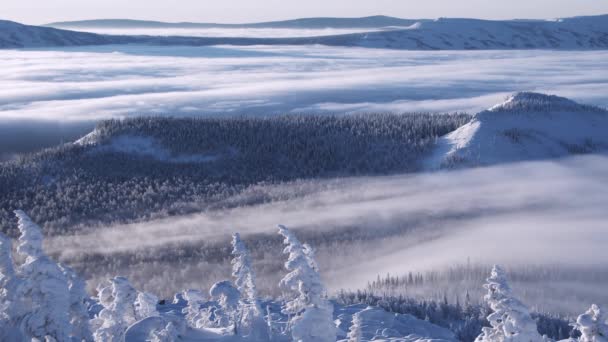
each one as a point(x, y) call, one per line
point(146, 147)
point(15, 35)
point(440, 34)
point(376, 324)
point(458, 34)
point(527, 126)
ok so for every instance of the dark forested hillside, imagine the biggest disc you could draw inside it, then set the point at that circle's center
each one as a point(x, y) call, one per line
point(136, 168)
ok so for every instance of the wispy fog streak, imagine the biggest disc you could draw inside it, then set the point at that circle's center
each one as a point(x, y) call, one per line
point(541, 213)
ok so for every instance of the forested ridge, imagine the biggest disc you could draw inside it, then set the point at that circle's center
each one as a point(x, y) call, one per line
point(193, 163)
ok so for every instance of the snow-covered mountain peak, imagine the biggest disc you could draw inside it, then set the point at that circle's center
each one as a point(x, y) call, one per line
point(527, 126)
point(529, 102)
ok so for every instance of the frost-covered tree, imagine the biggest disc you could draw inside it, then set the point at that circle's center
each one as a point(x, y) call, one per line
point(10, 298)
point(195, 317)
point(114, 319)
point(228, 298)
point(145, 305)
point(251, 317)
point(242, 270)
point(79, 317)
point(311, 313)
point(45, 287)
point(354, 333)
point(592, 325)
point(8, 278)
point(510, 320)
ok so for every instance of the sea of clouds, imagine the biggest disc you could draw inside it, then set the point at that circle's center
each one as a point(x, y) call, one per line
point(550, 213)
point(91, 83)
point(71, 88)
point(542, 213)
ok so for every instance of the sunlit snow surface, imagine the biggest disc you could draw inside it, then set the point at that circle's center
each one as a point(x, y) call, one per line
point(115, 81)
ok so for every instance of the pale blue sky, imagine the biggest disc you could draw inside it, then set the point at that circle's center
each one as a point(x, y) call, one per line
point(236, 11)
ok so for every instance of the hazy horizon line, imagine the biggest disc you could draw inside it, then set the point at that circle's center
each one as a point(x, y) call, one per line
point(286, 19)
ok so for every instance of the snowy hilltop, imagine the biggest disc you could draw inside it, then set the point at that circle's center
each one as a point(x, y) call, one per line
point(42, 300)
point(441, 34)
point(204, 152)
point(15, 35)
point(527, 126)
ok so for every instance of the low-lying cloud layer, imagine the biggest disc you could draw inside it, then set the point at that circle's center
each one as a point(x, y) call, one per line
point(91, 83)
point(541, 213)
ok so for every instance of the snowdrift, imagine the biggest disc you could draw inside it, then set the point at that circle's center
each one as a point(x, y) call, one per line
point(527, 126)
point(376, 324)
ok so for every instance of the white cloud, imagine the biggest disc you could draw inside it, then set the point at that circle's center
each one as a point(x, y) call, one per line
point(116, 81)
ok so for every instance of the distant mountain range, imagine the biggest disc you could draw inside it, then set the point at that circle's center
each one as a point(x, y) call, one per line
point(441, 34)
point(308, 23)
point(15, 35)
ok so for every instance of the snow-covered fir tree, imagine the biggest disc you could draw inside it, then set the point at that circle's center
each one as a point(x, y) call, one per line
point(41, 300)
point(251, 317)
point(311, 313)
point(45, 287)
point(592, 325)
point(10, 298)
point(510, 320)
point(195, 317)
point(79, 316)
point(8, 277)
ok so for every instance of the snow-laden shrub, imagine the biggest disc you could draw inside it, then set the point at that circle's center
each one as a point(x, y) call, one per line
point(311, 313)
point(228, 298)
point(592, 325)
point(45, 287)
point(195, 317)
point(145, 305)
point(10, 298)
point(251, 319)
point(510, 320)
point(119, 314)
point(123, 306)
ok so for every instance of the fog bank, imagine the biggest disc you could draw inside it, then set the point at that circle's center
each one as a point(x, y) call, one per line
point(538, 213)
